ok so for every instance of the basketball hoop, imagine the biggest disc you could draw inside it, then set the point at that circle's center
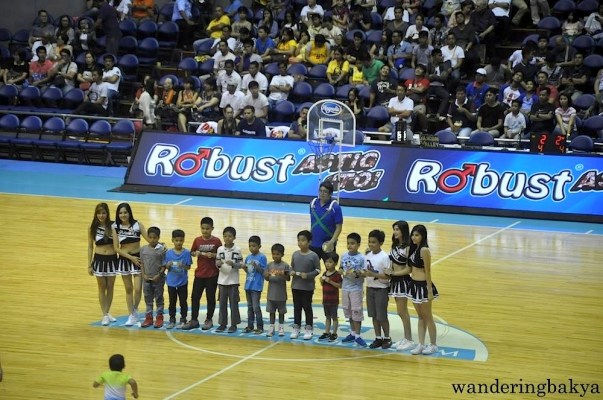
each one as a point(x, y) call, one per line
point(322, 147)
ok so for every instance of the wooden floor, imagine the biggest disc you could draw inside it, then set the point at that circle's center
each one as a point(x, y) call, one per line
point(533, 298)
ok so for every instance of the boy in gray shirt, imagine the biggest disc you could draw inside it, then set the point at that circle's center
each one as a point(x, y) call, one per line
point(153, 277)
point(277, 275)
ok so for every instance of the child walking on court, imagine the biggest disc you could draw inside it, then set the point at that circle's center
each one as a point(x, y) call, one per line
point(377, 289)
point(331, 282)
point(352, 271)
point(305, 266)
point(229, 260)
point(255, 265)
point(177, 263)
point(277, 275)
point(116, 381)
point(153, 277)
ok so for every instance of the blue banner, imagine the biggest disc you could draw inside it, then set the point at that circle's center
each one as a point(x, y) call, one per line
point(498, 180)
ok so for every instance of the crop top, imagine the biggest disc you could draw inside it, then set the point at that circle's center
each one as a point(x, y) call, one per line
point(128, 235)
point(398, 255)
point(415, 260)
point(100, 239)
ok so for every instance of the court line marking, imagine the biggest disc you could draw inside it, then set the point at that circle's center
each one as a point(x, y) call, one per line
point(588, 232)
point(220, 372)
point(183, 201)
point(434, 221)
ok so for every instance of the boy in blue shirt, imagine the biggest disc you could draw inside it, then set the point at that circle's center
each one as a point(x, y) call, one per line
point(352, 288)
point(177, 263)
point(255, 265)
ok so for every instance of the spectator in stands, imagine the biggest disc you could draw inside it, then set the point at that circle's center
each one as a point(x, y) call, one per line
point(60, 45)
point(356, 48)
point(476, 90)
point(147, 102)
point(370, 68)
point(254, 75)
point(542, 50)
point(355, 103)
point(399, 107)
point(308, 10)
point(511, 91)
point(257, 100)
point(412, 33)
point(338, 68)
point(571, 27)
point(438, 73)
point(300, 50)
point(317, 51)
point(411, 6)
point(553, 70)
point(450, 7)
point(250, 125)
point(143, 9)
point(455, 54)
point(228, 76)
point(264, 44)
point(249, 56)
point(421, 53)
point(542, 114)
point(239, 47)
point(356, 75)
point(285, 47)
point(564, 54)
point(417, 91)
point(221, 57)
point(85, 36)
point(518, 55)
point(575, 78)
point(293, 22)
point(233, 9)
point(467, 7)
point(65, 28)
point(228, 124)
point(298, 128)
point(96, 100)
point(594, 23)
point(527, 66)
point(220, 20)
point(166, 109)
point(108, 21)
point(490, 115)
point(399, 54)
point(16, 72)
point(379, 50)
point(41, 28)
point(65, 72)
point(280, 85)
point(123, 8)
point(241, 22)
point(397, 23)
point(226, 36)
point(341, 14)
point(269, 22)
point(528, 98)
point(183, 16)
point(464, 35)
point(40, 71)
point(112, 76)
point(514, 123)
point(383, 88)
point(598, 88)
point(461, 115)
point(331, 32)
point(543, 82)
point(47, 43)
point(484, 23)
point(207, 104)
point(360, 19)
point(497, 74)
point(437, 34)
point(84, 76)
point(565, 115)
point(233, 97)
point(186, 100)
point(538, 8)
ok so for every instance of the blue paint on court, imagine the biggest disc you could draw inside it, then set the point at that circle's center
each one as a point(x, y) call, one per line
point(95, 182)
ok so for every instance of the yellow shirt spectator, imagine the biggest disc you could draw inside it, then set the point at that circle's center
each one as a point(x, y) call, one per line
point(214, 28)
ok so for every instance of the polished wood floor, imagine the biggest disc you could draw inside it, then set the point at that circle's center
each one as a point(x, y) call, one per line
point(533, 298)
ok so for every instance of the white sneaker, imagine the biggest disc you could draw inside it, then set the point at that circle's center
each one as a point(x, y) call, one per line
point(111, 318)
point(295, 333)
point(430, 349)
point(132, 320)
point(281, 331)
point(308, 333)
point(105, 321)
point(406, 345)
point(417, 350)
point(270, 331)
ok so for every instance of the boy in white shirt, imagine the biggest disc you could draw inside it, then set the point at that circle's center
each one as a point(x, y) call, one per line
point(229, 260)
point(515, 122)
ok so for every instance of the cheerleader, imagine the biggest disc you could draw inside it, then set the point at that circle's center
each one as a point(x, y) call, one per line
point(422, 291)
point(400, 282)
point(102, 258)
point(128, 232)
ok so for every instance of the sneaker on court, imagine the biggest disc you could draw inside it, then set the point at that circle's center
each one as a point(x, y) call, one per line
point(324, 336)
point(333, 337)
point(270, 331)
point(111, 318)
point(258, 331)
point(159, 321)
point(207, 324)
point(181, 323)
point(360, 341)
point(148, 321)
point(429, 349)
point(171, 324)
point(221, 328)
point(192, 324)
point(131, 320)
point(281, 331)
point(349, 338)
point(376, 343)
point(406, 345)
point(387, 343)
point(295, 333)
point(417, 350)
point(308, 333)
point(248, 329)
point(105, 321)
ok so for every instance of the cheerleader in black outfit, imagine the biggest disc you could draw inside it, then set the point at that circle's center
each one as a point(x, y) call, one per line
point(400, 281)
point(423, 291)
point(102, 258)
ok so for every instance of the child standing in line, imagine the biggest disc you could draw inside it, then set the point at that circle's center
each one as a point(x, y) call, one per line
point(255, 265)
point(177, 263)
point(352, 271)
point(377, 288)
point(277, 275)
point(229, 261)
point(331, 282)
point(305, 266)
point(153, 277)
point(116, 381)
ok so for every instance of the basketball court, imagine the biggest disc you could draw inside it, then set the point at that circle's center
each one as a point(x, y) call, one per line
point(519, 304)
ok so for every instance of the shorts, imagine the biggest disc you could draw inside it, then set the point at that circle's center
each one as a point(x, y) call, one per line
point(104, 265)
point(418, 292)
point(330, 310)
point(273, 306)
point(126, 267)
point(376, 303)
point(399, 286)
point(351, 301)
